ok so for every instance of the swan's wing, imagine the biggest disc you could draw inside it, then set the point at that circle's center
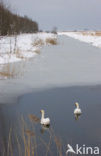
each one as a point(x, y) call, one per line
point(46, 121)
point(77, 111)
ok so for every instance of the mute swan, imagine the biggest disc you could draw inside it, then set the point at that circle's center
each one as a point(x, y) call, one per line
point(44, 121)
point(77, 110)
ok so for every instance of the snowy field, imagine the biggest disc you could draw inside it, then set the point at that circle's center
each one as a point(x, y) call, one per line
point(88, 37)
point(21, 47)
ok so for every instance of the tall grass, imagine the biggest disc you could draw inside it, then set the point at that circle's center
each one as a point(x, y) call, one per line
point(7, 71)
point(92, 33)
point(38, 42)
point(52, 41)
point(28, 143)
point(11, 70)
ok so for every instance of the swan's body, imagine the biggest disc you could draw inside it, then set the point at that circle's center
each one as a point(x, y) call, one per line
point(70, 149)
point(44, 121)
point(77, 110)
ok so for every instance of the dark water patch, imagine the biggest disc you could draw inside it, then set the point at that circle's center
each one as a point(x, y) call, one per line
point(59, 105)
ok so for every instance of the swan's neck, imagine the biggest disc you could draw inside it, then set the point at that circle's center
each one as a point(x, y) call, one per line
point(43, 115)
point(77, 106)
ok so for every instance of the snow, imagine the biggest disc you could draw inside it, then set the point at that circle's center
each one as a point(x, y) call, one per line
point(88, 38)
point(20, 47)
point(68, 64)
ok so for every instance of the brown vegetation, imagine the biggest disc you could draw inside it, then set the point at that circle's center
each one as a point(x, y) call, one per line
point(29, 143)
point(98, 33)
point(92, 33)
point(18, 54)
point(52, 41)
point(38, 42)
point(7, 71)
point(11, 70)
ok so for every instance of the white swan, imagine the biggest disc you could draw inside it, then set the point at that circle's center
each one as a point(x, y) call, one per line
point(77, 110)
point(44, 121)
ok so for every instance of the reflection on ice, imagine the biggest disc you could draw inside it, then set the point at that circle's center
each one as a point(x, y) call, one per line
point(44, 128)
point(77, 116)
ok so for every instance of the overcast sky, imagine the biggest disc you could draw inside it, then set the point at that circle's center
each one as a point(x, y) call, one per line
point(64, 14)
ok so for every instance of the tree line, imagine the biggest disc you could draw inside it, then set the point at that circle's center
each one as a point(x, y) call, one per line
point(11, 23)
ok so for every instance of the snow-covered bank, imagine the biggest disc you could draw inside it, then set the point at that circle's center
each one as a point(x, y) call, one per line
point(20, 47)
point(85, 37)
point(70, 63)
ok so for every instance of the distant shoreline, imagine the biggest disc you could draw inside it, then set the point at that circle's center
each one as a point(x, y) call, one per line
point(92, 37)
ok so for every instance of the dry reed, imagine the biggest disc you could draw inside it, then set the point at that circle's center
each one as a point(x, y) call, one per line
point(38, 42)
point(26, 145)
point(52, 41)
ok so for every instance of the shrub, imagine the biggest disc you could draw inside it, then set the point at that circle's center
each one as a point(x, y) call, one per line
point(38, 42)
point(52, 41)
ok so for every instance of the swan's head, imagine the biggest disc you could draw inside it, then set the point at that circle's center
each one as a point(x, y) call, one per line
point(42, 111)
point(77, 104)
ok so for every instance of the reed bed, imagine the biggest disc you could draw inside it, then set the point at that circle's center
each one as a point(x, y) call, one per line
point(52, 41)
point(91, 33)
point(26, 142)
point(11, 70)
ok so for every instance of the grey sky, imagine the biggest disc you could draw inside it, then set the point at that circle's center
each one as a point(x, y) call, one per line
point(64, 14)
